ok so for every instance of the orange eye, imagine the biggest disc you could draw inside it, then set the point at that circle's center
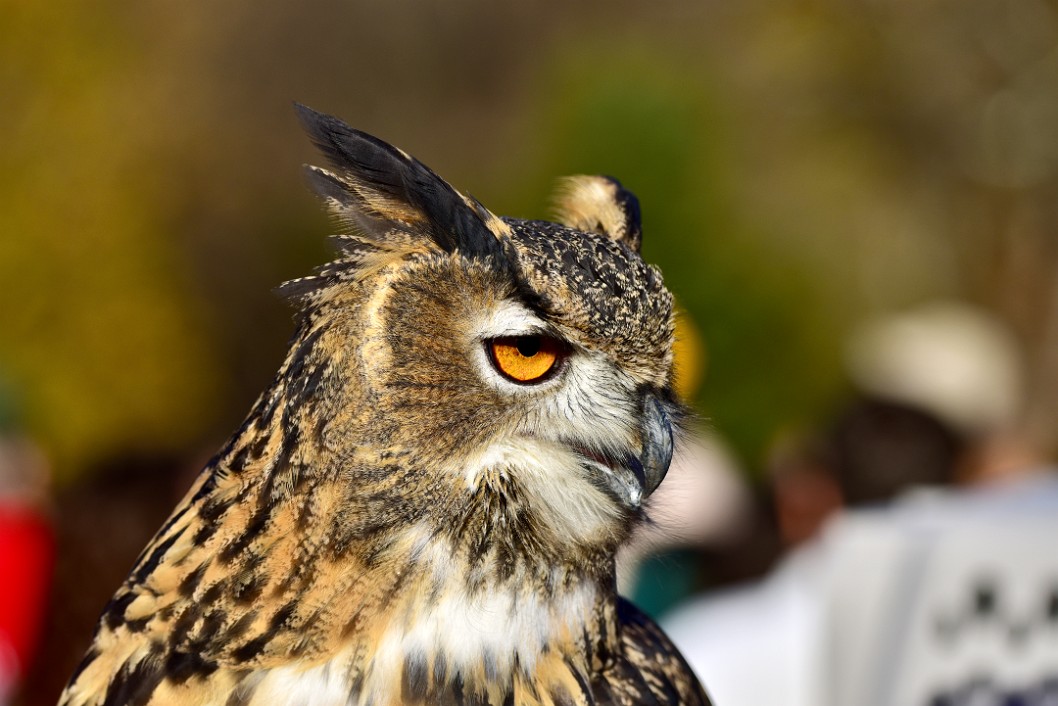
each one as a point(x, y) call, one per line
point(526, 359)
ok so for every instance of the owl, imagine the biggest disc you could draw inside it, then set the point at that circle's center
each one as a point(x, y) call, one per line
point(424, 505)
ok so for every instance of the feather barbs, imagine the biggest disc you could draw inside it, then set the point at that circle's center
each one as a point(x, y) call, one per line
point(599, 204)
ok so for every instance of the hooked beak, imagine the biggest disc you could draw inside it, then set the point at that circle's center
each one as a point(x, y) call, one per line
point(657, 444)
point(634, 477)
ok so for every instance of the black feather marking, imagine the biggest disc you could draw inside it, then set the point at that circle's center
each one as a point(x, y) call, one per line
point(133, 685)
point(629, 205)
point(440, 668)
point(299, 289)
point(181, 666)
point(213, 474)
point(204, 532)
point(585, 690)
point(263, 415)
point(184, 624)
point(300, 358)
point(253, 530)
point(240, 626)
point(138, 625)
point(669, 693)
point(283, 615)
point(179, 514)
point(631, 676)
point(602, 646)
point(454, 695)
point(414, 684)
point(603, 692)
point(303, 387)
point(211, 625)
point(115, 611)
point(452, 224)
point(250, 591)
point(303, 289)
point(214, 508)
point(355, 686)
point(240, 459)
point(213, 593)
point(251, 649)
point(147, 567)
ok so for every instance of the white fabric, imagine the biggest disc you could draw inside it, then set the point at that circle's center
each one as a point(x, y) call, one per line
point(945, 598)
point(758, 644)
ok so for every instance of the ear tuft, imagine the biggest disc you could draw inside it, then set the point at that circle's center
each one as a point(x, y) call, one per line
point(599, 204)
point(388, 195)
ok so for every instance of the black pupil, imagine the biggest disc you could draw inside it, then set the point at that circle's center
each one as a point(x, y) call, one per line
point(529, 346)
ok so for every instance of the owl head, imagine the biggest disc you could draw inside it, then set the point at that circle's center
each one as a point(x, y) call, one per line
point(518, 372)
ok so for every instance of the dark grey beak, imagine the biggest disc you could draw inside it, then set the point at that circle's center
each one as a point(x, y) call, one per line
point(636, 477)
point(657, 444)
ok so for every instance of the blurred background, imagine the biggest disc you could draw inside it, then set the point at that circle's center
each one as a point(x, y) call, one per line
point(855, 202)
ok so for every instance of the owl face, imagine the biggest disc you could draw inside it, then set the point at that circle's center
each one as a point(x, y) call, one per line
point(525, 360)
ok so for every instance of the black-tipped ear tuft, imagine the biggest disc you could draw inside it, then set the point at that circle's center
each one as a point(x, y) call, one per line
point(600, 204)
point(386, 194)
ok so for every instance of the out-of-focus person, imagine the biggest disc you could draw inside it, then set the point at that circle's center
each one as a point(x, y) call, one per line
point(763, 643)
point(26, 554)
point(960, 364)
point(946, 598)
point(890, 595)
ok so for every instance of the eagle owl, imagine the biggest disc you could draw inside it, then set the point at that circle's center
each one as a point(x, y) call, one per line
point(424, 505)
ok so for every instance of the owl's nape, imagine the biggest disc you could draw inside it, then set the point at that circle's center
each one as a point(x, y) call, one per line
point(424, 505)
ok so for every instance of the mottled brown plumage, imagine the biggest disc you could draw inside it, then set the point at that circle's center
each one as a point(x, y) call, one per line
point(398, 520)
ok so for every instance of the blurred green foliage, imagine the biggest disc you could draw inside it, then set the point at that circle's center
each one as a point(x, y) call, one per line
point(756, 311)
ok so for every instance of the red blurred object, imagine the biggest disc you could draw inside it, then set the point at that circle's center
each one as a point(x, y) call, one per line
point(27, 554)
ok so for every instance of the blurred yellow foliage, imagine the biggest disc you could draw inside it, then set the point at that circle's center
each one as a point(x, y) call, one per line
point(691, 356)
point(99, 330)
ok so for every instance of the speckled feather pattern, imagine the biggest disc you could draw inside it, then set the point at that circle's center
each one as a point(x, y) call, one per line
point(601, 287)
point(391, 525)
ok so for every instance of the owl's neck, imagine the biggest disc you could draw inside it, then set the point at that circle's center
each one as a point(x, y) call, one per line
point(489, 603)
point(489, 635)
point(444, 632)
